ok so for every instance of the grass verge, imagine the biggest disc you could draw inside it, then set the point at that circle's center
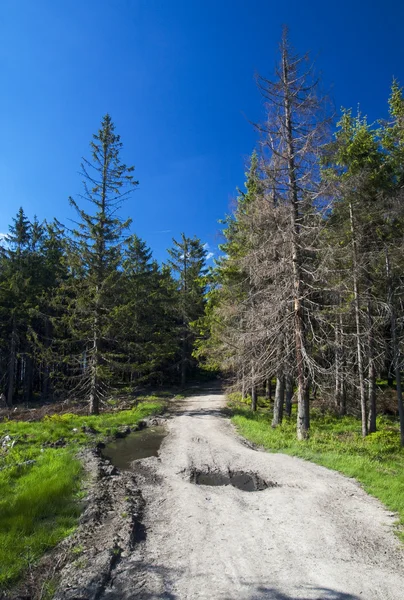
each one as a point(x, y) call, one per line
point(41, 486)
point(376, 461)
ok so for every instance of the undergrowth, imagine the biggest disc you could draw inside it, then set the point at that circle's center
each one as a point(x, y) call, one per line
point(376, 461)
point(41, 485)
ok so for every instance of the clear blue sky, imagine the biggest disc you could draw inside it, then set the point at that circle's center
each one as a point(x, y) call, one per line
point(177, 77)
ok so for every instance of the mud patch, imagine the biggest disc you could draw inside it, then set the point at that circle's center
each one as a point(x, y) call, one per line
point(242, 480)
point(109, 529)
point(137, 445)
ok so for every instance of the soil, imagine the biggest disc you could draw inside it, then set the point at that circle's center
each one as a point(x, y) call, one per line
point(183, 526)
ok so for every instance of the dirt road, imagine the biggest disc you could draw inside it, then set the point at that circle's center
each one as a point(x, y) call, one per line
point(311, 534)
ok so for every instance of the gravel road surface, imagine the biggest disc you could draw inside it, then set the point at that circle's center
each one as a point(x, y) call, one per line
point(310, 534)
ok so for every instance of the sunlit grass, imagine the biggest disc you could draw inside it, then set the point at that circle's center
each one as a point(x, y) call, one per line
point(376, 461)
point(39, 503)
point(37, 509)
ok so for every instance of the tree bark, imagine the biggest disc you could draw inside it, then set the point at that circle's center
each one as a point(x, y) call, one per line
point(46, 366)
point(340, 395)
point(396, 348)
point(268, 388)
point(371, 375)
point(94, 398)
point(94, 383)
point(288, 394)
point(11, 366)
point(307, 405)
point(28, 376)
point(279, 400)
point(358, 322)
point(243, 386)
point(302, 420)
point(338, 373)
point(253, 397)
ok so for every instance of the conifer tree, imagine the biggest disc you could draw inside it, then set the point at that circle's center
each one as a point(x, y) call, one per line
point(146, 319)
point(356, 166)
point(15, 282)
point(392, 136)
point(187, 261)
point(227, 341)
point(95, 255)
point(292, 135)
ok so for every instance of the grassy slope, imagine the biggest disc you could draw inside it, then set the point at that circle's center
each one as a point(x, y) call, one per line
point(376, 461)
point(39, 502)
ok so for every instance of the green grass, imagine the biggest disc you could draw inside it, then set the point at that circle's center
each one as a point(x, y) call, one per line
point(40, 502)
point(376, 461)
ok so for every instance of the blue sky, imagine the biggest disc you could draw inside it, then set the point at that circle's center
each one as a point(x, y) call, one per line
point(177, 77)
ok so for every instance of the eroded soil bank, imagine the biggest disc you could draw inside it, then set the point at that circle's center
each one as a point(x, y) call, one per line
point(298, 532)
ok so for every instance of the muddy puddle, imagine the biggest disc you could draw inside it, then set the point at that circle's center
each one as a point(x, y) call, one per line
point(140, 444)
point(247, 482)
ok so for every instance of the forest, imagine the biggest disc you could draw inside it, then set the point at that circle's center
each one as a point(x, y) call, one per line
point(299, 320)
point(306, 295)
point(307, 291)
point(87, 309)
point(309, 288)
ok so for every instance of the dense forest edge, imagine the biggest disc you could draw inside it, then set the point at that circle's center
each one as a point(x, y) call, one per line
point(301, 314)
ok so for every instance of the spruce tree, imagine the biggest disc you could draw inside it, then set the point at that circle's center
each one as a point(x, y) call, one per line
point(392, 136)
point(145, 320)
point(187, 261)
point(16, 300)
point(95, 256)
point(356, 166)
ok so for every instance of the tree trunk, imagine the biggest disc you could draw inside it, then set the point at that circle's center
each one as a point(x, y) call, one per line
point(307, 405)
point(28, 376)
point(396, 348)
point(338, 370)
point(340, 394)
point(371, 374)
point(46, 366)
point(11, 366)
point(94, 383)
point(268, 389)
point(372, 397)
point(288, 394)
point(183, 363)
point(302, 419)
point(94, 398)
point(358, 322)
point(253, 397)
point(184, 292)
point(243, 386)
point(279, 400)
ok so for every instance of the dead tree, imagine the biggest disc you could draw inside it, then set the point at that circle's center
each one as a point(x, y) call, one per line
point(291, 138)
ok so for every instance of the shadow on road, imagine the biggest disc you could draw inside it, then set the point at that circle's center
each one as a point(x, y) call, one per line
point(315, 593)
point(140, 578)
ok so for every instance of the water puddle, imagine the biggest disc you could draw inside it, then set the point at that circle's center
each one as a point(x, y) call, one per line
point(140, 444)
point(247, 482)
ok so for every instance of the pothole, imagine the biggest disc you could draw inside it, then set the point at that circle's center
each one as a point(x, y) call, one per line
point(135, 446)
point(242, 480)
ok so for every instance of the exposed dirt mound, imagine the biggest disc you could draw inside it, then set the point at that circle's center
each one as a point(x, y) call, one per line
point(108, 530)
